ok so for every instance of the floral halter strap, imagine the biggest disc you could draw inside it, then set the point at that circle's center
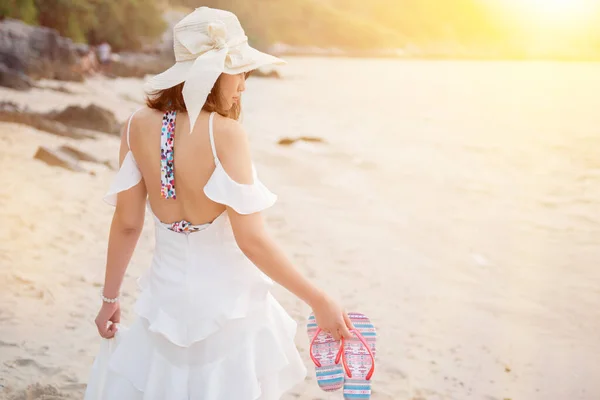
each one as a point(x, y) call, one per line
point(167, 168)
point(167, 172)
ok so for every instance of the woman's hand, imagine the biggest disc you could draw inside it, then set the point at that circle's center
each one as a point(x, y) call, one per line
point(331, 318)
point(109, 312)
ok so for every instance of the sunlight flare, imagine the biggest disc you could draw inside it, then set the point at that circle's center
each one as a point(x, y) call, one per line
point(556, 11)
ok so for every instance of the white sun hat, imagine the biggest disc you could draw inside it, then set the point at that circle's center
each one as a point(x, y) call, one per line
point(207, 42)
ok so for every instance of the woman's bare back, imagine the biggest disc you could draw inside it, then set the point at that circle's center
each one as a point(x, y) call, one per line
point(193, 166)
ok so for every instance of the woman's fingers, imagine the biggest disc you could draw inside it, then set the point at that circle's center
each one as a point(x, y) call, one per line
point(348, 321)
point(112, 329)
point(105, 330)
point(107, 320)
point(336, 334)
point(340, 330)
point(344, 331)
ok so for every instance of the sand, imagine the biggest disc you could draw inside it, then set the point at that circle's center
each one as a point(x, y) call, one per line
point(444, 332)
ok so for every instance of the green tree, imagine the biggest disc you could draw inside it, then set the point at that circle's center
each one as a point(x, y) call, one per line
point(127, 23)
point(71, 18)
point(20, 9)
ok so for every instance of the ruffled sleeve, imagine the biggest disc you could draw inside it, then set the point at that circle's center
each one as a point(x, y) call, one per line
point(243, 198)
point(128, 176)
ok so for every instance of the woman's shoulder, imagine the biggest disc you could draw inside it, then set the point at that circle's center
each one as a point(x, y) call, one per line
point(150, 113)
point(227, 127)
point(230, 135)
point(142, 120)
point(143, 116)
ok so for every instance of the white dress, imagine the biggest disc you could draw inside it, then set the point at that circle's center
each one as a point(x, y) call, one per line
point(207, 326)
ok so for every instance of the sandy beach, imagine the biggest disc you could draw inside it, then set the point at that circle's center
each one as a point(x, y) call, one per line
point(460, 215)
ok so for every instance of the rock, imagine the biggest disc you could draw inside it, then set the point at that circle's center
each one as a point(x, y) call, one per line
point(78, 154)
point(14, 79)
point(60, 89)
point(37, 52)
point(91, 117)
point(286, 141)
point(57, 158)
point(57, 128)
point(12, 60)
point(290, 141)
point(11, 106)
point(10, 112)
point(83, 156)
point(68, 75)
point(73, 122)
point(138, 65)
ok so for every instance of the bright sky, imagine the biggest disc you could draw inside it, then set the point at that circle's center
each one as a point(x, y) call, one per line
point(567, 27)
point(560, 13)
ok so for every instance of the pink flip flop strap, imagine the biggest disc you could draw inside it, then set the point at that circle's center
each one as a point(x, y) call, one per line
point(312, 356)
point(364, 342)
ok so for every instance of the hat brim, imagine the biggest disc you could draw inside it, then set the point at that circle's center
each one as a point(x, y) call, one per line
point(249, 59)
point(243, 60)
point(171, 77)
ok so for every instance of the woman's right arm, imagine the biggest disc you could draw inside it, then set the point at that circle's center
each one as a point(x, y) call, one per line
point(254, 241)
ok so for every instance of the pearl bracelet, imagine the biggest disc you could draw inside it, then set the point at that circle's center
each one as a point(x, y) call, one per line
point(106, 299)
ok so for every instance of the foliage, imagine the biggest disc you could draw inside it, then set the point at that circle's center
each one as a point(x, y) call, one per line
point(123, 23)
point(346, 24)
point(20, 9)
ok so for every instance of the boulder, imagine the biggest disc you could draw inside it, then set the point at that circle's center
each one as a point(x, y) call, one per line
point(91, 117)
point(57, 158)
point(14, 79)
point(83, 156)
point(37, 52)
point(10, 112)
point(68, 157)
point(78, 154)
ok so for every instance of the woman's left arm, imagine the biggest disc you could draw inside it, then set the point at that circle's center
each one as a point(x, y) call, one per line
point(125, 230)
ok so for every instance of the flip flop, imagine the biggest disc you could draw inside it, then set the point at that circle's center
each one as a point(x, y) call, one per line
point(358, 358)
point(326, 354)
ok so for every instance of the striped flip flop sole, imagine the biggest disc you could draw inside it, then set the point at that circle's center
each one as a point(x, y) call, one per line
point(324, 351)
point(359, 361)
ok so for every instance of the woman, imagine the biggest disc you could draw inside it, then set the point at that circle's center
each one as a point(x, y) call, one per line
point(207, 326)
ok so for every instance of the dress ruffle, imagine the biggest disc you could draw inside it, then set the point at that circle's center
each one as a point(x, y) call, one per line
point(243, 198)
point(259, 364)
point(128, 176)
point(220, 188)
point(206, 314)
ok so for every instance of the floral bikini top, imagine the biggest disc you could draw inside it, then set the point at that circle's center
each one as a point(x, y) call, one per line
point(220, 188)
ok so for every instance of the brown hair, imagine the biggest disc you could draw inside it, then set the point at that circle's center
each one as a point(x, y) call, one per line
point(171, 99)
